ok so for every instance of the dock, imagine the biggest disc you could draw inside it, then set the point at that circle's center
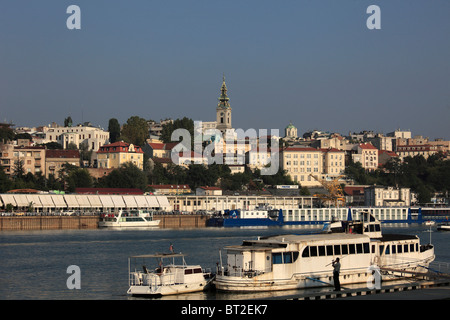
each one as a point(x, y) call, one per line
point(55, 222)
point(418, 290)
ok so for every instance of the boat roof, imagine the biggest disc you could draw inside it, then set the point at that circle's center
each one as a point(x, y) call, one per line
point(160, 255)
point(281, 241)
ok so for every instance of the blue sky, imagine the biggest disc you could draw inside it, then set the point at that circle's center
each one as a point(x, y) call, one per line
point(314, 63)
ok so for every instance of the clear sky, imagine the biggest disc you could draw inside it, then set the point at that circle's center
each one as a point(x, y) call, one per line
point(313, 62)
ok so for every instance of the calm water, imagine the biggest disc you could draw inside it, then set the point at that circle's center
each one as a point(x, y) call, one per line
point(33, 265)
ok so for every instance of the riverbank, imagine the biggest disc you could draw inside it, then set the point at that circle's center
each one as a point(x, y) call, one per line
point(17, 223)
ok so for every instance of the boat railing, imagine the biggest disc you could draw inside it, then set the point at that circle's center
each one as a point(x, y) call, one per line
point(239, 272)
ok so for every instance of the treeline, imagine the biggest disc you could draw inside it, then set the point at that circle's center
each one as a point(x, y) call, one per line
point(423, 176)
point(130, 176)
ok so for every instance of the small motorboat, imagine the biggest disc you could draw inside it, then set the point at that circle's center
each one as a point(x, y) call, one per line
point(165, 279)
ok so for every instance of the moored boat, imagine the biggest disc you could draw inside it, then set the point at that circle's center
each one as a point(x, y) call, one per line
point(126, 219)
point(443, 226)
point(300, 261)
point(165, 279)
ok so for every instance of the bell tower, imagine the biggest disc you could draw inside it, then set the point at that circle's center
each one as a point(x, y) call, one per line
point(223, 110)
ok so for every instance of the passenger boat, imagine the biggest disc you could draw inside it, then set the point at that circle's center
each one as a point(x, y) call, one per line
point(301, 261)
point(132, 218)
point(165, 279)
point(260, 216)
point(443, 226)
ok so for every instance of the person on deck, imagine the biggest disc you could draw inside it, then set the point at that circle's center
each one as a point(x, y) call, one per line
point(336, 270)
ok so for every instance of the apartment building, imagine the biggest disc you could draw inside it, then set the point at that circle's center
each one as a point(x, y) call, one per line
point(56, 159)
point(367, 155)
point(31, 158)
point(424, 150)
point(378, 196)
point(92, 137)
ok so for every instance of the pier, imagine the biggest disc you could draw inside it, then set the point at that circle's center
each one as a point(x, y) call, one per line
point(418, 290)
point(56, 222)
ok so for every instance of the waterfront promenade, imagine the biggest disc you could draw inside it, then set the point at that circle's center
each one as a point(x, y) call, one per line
point(55, 222)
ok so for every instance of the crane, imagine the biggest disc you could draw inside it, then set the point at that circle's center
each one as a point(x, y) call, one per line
point(335, 192)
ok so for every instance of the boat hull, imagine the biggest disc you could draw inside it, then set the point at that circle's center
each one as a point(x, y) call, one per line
point(168, 289)
point(111, 224)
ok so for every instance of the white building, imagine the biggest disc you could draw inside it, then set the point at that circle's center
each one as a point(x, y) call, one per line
point(379, 196)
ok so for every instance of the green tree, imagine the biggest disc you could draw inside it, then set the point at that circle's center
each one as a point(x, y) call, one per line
point(113, 129)
point(68, 121)
point(135, 131)
point(78, 178)
point(127, 176)
point(184, 123)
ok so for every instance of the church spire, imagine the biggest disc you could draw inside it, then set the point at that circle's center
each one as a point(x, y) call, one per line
point(223, 98)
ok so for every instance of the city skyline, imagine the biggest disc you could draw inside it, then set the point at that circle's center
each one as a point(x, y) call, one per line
point(316, 65)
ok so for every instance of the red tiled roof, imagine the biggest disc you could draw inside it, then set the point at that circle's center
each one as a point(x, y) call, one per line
point(108, 191)
point(366, 146)
point(58, 153)
point(119, 147)
point(169, 186)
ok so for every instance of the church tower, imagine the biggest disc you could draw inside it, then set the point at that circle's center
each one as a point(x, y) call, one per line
point(223, 110)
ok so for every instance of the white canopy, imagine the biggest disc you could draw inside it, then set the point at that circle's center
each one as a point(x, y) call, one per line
point(8, 198)
point(21, 200)
point(34, 200)
point(58, 200)
point(141, 202)
point(163, 202)
point(152, 202)
point(106, 201)
point(46, 200)
point(95, 201)
point(118, 201)
point(83, 201)
point(71, 201)
point(130, 202)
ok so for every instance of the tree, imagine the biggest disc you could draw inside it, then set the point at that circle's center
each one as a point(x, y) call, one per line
point(135, 131)
point(79, 178)
point(127, 176)
point(68, 121)
point(184, 123)
point(6, 134)
point(113, 129)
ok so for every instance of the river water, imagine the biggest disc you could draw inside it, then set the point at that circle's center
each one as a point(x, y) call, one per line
point(33, 264)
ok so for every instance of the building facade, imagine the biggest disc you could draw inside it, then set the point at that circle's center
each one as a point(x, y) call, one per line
point(379, 196)
point(115, 154)
point(30, 159)
point(367, 155)
point(92, 137)
point(56, 159)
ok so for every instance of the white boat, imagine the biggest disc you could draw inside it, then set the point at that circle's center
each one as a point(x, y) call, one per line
point(443, 226)
point(126, 219)
point(430, 223)
point(165, 279)
point(299, 261)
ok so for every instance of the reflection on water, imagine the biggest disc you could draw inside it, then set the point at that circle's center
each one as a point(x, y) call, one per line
point(33, 264)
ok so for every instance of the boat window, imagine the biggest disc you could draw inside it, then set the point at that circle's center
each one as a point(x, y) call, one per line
point(405, 248)
point(366, 247)
point(305, 253)
point(394, 249)
point(351, 248)
point(321, 251)
point(388, 251)
point(411, 247)
point(337, 249)
point(287, 257)
point(198, 270)
point(313, 251)
point(344, 249)
point(329, 250)
point(359, 248)
point(188, 271)
point(417, 247)
point(381, 249)
point(399, 248)
point(277, 258)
